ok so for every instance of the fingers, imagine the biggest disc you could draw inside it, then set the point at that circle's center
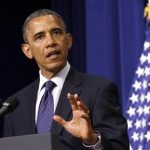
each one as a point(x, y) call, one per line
point(77, 103)
point(59, 120)
point(73, 102)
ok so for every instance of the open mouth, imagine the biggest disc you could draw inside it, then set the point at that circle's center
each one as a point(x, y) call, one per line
point(54, 54)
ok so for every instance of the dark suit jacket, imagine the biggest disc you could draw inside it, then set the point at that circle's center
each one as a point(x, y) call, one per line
point(99, 94)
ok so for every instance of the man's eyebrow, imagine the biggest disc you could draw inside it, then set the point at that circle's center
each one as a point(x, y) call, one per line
point(38, 33)
point(54, 29)
point(42, 32)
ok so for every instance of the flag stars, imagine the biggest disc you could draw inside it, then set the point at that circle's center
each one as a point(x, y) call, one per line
point(147, 71)
point(142, 98)
point(136, 85)
point(140, 147)
point(144, 84)
point(148, 96)
point(146, 45)
point(148, 58)
point(135, 136)
point(146, 109)
point(138, 124)
point(134, 98)
point(141, 136)
point(143, 123)
point(131, 148)
point(143, 58)
point(129, 122)
point(131, 111)
point(148, 123)
point(147, 136)
point(140, 72)
point(140, 110)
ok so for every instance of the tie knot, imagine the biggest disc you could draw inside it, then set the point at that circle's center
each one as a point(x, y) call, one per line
point(49, 85)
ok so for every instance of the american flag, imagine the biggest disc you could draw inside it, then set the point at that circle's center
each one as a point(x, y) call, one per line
point(138, 112)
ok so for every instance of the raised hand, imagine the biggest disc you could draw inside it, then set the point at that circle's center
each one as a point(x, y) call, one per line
point(80, 125)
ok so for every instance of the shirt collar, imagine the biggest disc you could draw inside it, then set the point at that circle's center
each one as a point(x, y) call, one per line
point(58, 79)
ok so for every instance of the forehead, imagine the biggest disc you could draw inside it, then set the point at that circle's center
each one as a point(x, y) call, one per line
point(48, 21)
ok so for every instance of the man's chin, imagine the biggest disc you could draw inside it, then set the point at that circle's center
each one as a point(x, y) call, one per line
point(56, 67)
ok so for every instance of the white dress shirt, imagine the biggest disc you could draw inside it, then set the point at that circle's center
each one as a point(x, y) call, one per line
point(59, 80)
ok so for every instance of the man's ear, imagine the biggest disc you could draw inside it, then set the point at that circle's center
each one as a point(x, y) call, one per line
point(27, 51)
point(69, 37)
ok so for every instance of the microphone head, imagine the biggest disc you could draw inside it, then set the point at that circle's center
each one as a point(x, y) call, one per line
point(12, 103)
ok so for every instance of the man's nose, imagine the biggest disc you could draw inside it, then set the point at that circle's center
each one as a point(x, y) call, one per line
point(50, 40)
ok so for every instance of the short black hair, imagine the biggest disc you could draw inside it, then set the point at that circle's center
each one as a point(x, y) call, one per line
point(37, 13)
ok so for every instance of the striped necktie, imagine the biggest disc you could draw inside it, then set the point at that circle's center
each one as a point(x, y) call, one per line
point(46, 109)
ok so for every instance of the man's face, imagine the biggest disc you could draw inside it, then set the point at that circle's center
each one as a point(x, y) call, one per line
point(48, 43)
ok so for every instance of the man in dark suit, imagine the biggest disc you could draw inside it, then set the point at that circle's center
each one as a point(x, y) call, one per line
point(87, 109)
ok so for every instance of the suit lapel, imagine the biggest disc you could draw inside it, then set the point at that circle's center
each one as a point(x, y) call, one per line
point(63, 109)
point(31, 96)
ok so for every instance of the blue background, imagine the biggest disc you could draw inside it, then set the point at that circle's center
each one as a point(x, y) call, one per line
point(108, 40)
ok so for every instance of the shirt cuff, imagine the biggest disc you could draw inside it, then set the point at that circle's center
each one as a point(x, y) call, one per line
point(97, 146)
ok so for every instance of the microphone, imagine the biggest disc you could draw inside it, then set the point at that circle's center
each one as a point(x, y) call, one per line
point(9, 106)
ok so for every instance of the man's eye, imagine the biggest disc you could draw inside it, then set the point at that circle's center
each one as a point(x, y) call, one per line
point(39, 37)
point(57, 32)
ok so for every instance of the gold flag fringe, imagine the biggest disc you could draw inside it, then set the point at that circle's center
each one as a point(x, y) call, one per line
point(147, 11)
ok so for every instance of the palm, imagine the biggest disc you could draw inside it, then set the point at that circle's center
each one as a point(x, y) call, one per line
point(80, 125)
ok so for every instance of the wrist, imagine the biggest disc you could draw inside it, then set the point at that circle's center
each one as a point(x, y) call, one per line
point(93, 139)
point(97, 145)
